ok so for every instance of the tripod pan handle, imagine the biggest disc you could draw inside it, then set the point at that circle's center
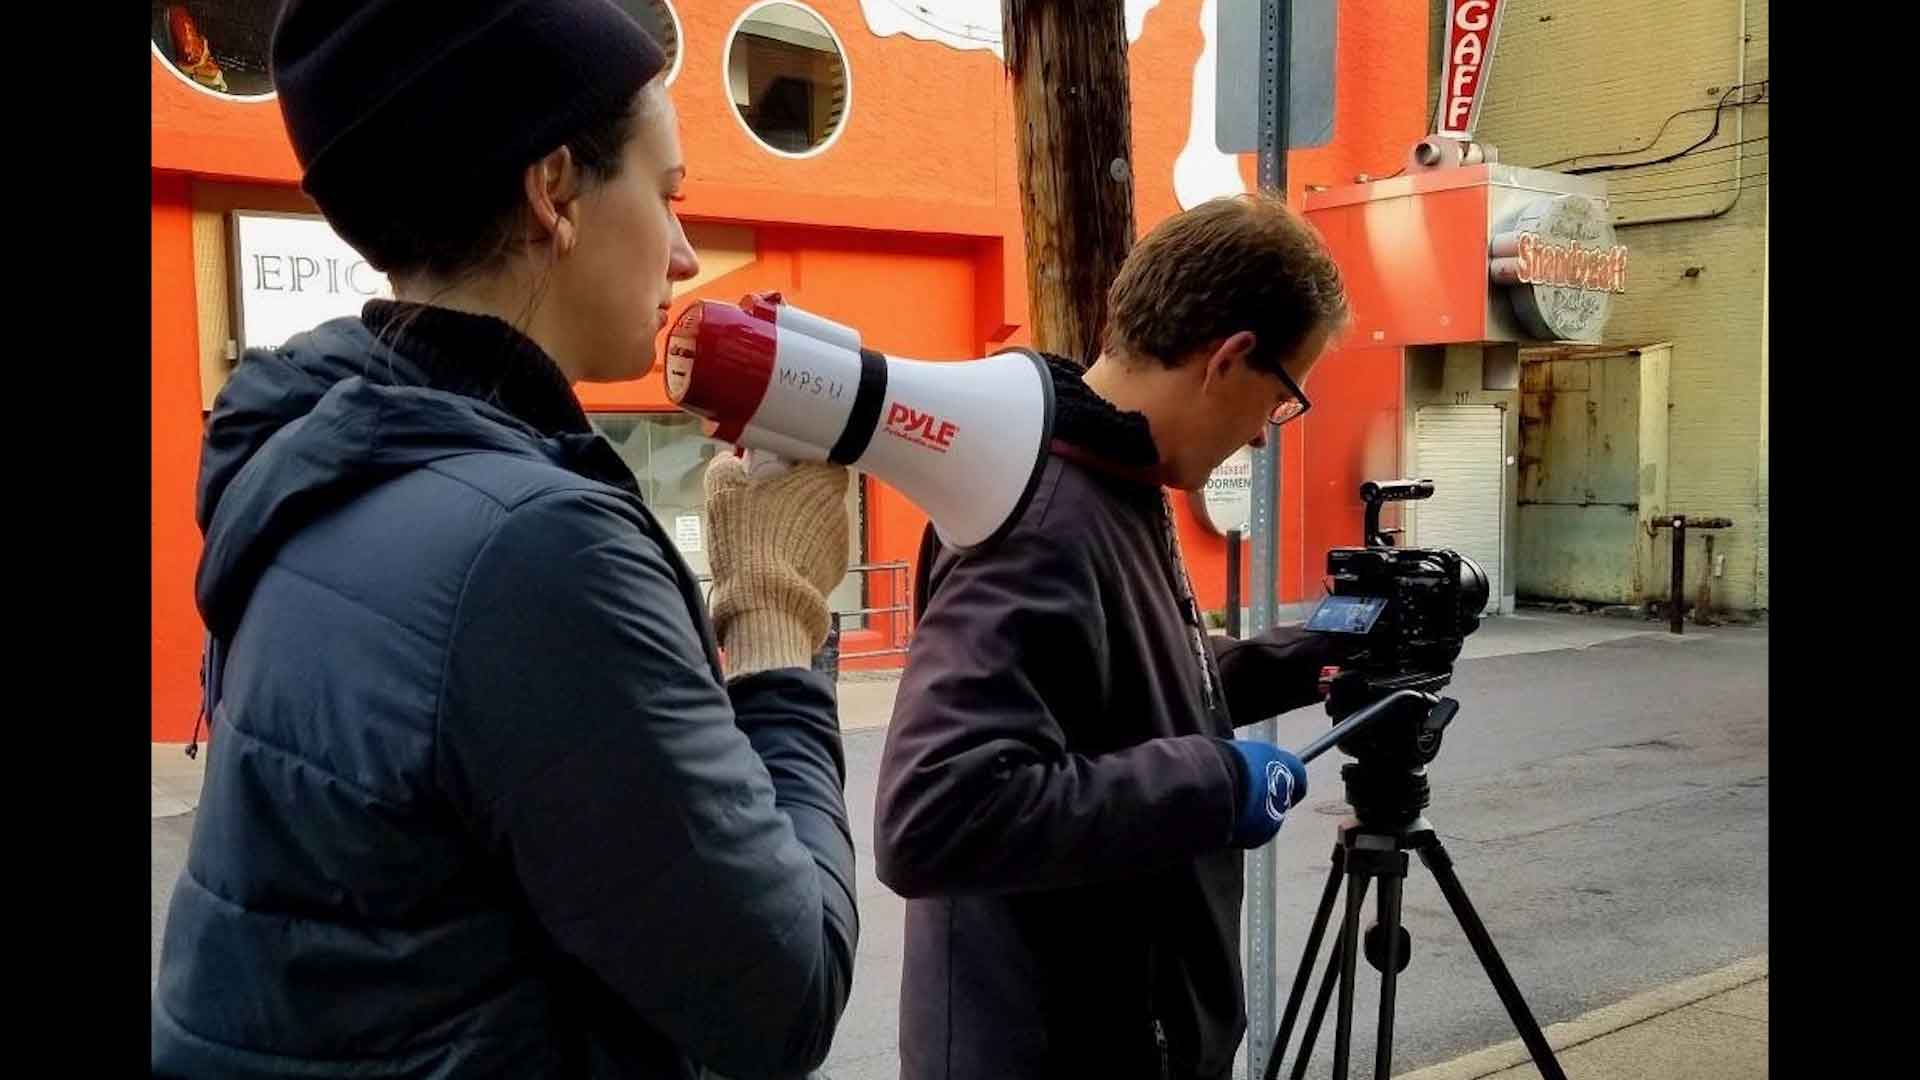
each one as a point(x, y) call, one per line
point(1361, 719)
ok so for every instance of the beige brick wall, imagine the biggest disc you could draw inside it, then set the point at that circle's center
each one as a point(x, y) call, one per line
point(1760, 532)
point(1585, 77)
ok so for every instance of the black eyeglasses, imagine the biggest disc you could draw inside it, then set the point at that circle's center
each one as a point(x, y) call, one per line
point(1296, 404)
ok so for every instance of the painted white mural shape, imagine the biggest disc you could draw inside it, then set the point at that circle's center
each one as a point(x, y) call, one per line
point(963, 24)
point(1200, 172)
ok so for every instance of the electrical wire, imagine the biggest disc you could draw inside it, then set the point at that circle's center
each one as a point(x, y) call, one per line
point(1630, 192)
point(1746, 184)
point(1712, 133)
point(1665, 171)
point(1715, 149)
point(1716, 109)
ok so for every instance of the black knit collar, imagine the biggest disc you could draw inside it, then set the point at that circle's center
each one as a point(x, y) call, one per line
point(480, 356)
point(1092, 423)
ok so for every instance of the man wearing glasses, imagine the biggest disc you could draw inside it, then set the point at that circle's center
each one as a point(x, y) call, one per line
point(1061, 799)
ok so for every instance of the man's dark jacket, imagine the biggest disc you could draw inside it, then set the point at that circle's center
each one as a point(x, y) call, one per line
point(1056, 794)
point(479, 802)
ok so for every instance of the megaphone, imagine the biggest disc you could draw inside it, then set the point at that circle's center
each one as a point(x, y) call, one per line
point(964, 440)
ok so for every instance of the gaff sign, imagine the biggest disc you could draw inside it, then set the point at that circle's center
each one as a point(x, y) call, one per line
point(292, 272)
point(1472, 28)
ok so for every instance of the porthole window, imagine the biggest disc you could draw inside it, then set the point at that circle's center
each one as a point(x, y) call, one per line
point(787, 78)
point(660, 20)
point(218, 47)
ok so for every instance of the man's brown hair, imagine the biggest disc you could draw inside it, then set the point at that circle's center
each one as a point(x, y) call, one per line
point(1238, 263)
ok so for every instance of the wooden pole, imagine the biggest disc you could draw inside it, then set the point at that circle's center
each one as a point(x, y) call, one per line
point(1072, 112)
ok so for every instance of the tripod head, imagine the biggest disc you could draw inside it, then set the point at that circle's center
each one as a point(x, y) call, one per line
point(1392, 728)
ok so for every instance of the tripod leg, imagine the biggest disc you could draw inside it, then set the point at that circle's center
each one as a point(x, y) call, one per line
point(1349, 953)
point(1305, 971)
point(1438, 861)
point(1390, 884)
point(1319, 1015)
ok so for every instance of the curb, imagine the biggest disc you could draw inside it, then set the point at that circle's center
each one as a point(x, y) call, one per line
point(1600, 1022)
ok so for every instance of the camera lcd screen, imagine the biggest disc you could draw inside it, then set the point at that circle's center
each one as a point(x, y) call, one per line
point(1347, 614)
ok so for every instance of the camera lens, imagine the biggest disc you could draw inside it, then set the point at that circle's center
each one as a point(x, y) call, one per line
point(1474, 589)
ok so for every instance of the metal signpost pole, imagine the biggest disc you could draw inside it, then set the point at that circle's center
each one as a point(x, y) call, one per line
point(1276, 22)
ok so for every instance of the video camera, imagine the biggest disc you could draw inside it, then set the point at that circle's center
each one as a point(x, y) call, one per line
point(1413, 606)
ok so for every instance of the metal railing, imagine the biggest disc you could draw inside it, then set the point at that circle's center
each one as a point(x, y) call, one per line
point(1676, 591)
point(899, 615)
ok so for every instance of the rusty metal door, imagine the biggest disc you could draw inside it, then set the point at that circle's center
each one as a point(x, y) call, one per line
point(1579, 478)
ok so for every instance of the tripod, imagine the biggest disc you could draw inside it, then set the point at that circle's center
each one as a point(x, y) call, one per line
point(1387, 824)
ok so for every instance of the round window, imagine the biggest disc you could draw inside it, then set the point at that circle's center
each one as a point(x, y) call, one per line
point(218, 46)
point(660, 20)
point(787, 78)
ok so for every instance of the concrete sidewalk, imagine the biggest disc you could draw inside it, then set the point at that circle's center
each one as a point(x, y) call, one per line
point(1713, 1027)
point(176, 779)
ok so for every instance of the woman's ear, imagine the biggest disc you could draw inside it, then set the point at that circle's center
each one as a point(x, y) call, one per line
point(552, 189)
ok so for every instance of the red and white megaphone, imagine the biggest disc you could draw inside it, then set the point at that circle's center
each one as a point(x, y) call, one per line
point(964, 440)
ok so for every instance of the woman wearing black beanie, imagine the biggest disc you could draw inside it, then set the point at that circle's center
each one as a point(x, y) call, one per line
point(483, 797)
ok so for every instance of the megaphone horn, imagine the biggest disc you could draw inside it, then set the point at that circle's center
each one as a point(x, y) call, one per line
point(963, 440)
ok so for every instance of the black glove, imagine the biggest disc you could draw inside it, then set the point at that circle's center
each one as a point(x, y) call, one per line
point(1279, 670)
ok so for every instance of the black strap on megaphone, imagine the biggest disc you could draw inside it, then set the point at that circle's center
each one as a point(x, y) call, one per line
point(864, 418)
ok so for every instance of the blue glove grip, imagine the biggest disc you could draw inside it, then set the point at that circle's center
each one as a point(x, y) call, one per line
point(1276, 782)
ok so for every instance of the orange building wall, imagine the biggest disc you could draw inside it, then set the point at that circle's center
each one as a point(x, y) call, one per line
point(207, 136)
point(1413, 252)
point(1352, 435)
point(176, 459)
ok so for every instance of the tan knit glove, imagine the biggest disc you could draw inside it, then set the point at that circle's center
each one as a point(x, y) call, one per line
point(779, 546)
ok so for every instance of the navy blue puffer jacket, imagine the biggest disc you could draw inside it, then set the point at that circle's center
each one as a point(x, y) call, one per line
point(479, 801)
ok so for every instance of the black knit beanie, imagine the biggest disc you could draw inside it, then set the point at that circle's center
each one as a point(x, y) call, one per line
point(394, 105)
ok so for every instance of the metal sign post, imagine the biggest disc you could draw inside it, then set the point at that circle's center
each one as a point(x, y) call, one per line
point(1311, 51)
point(1276, 23)
point(1234, 629)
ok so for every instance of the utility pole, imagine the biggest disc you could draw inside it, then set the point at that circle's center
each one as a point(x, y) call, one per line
point(1073, 132)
